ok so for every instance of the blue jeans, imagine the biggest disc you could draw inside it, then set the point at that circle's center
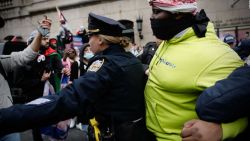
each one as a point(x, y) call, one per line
point(11, 137)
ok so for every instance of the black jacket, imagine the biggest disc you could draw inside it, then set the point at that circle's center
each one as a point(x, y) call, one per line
point(148, 53)
point(111, 88)
point(228, 99)
point(243, 49)
point(29, 76)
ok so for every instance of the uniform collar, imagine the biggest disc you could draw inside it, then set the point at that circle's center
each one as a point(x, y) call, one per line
point(112, 49)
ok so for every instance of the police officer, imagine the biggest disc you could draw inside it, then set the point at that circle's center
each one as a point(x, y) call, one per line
point(230, 40)
point(111, 91)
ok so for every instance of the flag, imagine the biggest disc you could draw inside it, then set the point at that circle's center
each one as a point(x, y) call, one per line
point(77, 41)
point(61, 17)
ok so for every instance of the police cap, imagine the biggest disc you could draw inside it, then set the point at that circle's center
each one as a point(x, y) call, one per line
point(102, 25)
point(229, 39)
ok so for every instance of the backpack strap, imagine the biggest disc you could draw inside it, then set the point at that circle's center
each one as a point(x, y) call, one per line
point(2, 71)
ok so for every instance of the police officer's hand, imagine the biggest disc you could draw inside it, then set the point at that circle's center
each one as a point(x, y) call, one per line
point(198, 130)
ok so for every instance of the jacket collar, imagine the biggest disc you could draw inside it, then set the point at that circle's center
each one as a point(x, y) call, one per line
point(189, 32)
point(112, 49)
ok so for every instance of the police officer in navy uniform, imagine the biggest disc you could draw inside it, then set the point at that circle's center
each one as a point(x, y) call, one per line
point(111, 91)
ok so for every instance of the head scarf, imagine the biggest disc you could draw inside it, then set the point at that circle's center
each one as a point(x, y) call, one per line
point(175, 6)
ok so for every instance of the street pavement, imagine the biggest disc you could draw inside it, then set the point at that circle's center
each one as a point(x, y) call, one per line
point(74, 135)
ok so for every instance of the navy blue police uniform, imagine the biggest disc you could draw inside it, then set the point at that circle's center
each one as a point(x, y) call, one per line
point(227, 101)
point(111, 90)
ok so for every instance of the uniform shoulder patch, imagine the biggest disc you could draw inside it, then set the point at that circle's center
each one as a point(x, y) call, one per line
point(96, 65)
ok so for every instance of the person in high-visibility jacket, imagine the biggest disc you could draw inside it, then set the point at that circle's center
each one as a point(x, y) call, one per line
point(190, 59)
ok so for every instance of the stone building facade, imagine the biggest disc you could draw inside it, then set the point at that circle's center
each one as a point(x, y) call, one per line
point(21, 16)
point(228, 16)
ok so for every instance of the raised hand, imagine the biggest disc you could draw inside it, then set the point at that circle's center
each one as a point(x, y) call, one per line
point(44, 26)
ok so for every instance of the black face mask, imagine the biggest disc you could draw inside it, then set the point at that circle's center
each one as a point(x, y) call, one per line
point(167, 28)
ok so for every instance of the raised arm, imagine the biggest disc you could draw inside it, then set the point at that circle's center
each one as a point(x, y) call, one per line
point(16, 59)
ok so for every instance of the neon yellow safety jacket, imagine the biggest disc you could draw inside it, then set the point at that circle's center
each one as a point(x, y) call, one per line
point(179, 71)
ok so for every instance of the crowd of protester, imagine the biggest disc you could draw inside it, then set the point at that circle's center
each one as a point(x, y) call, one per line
point(59, 62)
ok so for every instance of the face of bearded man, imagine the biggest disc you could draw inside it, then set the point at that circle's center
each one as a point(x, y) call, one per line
point(44, 43)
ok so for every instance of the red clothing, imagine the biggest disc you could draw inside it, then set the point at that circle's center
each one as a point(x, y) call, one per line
point(49, 51)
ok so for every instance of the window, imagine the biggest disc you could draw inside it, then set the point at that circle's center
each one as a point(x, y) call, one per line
point(5, 3)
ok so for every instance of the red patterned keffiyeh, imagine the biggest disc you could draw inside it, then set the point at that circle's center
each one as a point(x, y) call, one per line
point(176, 6)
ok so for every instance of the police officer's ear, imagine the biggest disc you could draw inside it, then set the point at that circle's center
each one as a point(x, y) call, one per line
point(101, 40)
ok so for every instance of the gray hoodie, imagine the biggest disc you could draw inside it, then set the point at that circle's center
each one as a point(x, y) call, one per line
point(9, 63)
